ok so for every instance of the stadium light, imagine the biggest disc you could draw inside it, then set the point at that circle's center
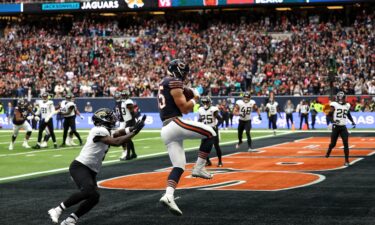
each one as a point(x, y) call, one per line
point(284, 9)
point(335, 7)
point(107, 14)
point(157, 13)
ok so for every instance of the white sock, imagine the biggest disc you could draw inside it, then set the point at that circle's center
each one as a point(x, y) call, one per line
point(200, 162)
point(170, 191)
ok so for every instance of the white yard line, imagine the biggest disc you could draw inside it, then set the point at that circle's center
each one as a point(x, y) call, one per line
point(117, 161)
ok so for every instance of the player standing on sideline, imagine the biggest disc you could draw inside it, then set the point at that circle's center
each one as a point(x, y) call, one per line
point(340, 111)
point(69, 113)
point(243, 109)
point(46, 111)
point(209, 115)
point(87, 165)
point(231, 108)
point(272, 108)
point(21, 114)
point(172, 104)
point(304, 114)
point(128, 114)
point(289, 109)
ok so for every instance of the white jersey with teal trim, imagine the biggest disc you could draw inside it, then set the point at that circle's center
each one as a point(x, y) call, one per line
point(67, 106)
point(272, 107)
point(93, 153)
point(46, 109)
point(127, 115)
point(341, 113)
point(208, 115)
point(245, 109)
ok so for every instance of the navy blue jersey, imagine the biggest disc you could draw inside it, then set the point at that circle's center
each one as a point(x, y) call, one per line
point(167, 106)
point(24, 113)
point(119, 111)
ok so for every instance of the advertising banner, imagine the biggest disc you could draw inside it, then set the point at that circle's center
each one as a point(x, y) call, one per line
point(10, 8)
point(363, 120)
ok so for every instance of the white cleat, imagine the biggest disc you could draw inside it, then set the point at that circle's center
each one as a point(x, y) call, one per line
point(11, 147)
point(25, 145)
point(251, 150)
point(44, 144)
point(168, 201)
point(346, 164)
point(201, 172)
point(68, 221)
point(238, 146)
point(54, 215)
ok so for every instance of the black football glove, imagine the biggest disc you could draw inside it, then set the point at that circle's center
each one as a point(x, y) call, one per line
point(260, 117)
point(138, 125)
point(353, 125)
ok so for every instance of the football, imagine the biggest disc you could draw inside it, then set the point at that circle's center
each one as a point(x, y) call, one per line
point(189, 94)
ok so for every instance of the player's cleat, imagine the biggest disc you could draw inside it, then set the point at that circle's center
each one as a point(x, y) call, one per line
point(346, 164)
point(201, 172)
point(25, 145)
point(54, 215)
point(62, 145)
point(238, 145)
point(251, 150)
point(73, 143)
point(168, 201)
point(44, 144)
point(36, 146)
point(134, 156)
point(220, 164)
point(208, 163)
point(68, 221)
point(55, 146)
point(274, 133)
point(10, 146)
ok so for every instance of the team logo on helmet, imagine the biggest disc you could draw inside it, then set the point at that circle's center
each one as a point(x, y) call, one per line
point(104, 117)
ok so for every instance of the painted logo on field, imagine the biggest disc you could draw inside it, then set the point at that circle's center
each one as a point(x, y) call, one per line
point(275, 168)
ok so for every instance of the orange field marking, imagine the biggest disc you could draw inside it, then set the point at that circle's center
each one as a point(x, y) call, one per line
point(273, 168)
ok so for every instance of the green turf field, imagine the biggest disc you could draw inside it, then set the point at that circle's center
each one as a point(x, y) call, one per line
point(23, 163)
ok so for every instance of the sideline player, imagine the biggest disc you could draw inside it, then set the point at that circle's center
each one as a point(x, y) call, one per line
point(69, 113)
point(243, 109)
point(46, 111)
point(87, 165)
point(340, 111)
point(272, 108)
point(209, 115)
point(172, 104)
point(21, 115)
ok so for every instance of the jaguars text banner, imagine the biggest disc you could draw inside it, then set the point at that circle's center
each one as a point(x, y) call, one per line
point(363, 120)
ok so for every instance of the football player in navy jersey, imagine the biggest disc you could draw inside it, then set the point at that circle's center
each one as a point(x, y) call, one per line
point(172, 104)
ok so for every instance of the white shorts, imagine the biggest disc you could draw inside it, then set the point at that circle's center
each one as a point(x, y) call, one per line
point(177, 131)
point(26, 126)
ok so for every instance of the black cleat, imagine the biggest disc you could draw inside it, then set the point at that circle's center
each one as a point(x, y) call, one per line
point(62, 145)
point(220, 164)
point(208, 163)
point(134, 156)
point(36, 147)
point(55, 146)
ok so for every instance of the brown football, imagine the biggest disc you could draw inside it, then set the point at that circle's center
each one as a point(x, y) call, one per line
point(189, 94)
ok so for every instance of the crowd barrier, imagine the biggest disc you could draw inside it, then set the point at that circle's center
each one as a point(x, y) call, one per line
point(363, 120)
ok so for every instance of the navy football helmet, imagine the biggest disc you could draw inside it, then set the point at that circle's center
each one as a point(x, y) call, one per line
point(177, 68)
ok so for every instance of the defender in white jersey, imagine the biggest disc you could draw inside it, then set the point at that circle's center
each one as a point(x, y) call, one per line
point(128, 115)
point(340, 111)
point(85, 167)
point(209, 115)
point(69, 112)
point(46, 111)
point(272, 108)
point(243, 109)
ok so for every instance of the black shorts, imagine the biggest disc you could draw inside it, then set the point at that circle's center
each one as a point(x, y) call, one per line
point(84, 177)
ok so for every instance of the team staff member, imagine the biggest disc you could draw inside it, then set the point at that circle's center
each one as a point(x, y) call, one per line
point(289, 109)
point(87, 165)
point(304, 114)
point(340, 111)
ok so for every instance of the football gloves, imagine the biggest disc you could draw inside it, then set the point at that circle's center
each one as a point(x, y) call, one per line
point(139, 125)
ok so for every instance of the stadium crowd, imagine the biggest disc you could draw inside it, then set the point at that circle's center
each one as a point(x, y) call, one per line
point(227, 54)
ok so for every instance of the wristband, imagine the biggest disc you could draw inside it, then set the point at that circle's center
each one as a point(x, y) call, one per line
point(127, 130)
